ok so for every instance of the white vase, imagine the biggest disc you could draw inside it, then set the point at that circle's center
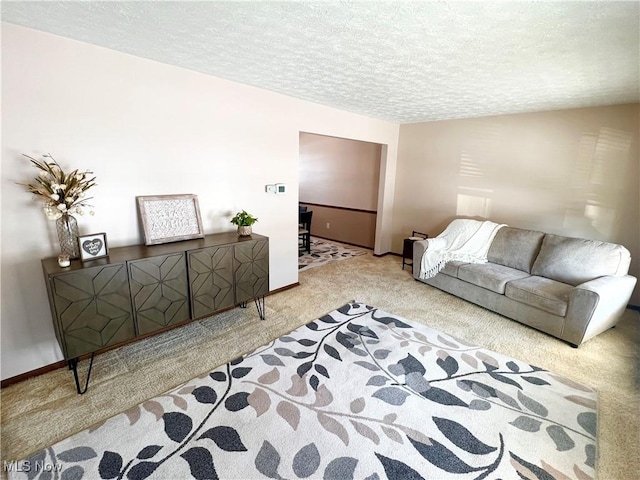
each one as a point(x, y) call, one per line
point(244, 230)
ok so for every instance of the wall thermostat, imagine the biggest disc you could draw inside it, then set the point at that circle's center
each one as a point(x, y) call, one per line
point(281, 188)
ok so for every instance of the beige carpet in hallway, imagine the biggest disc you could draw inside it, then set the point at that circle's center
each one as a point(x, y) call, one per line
point(41, 411)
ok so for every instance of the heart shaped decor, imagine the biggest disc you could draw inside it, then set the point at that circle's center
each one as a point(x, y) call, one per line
point(92, 247)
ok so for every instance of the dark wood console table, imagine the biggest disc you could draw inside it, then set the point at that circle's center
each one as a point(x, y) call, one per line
point(141, 290)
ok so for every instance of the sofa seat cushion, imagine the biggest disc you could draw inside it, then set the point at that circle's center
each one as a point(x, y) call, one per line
point(489, 275)
point(542, 293)
point(451, 268)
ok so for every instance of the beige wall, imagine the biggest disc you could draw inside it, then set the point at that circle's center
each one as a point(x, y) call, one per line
point(571, 172)
point(348, 226)
point(342, 173)
point(146, 128)
point(339, 172)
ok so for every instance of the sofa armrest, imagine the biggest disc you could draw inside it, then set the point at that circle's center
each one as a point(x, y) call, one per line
point(596, 306)
point(419, 247)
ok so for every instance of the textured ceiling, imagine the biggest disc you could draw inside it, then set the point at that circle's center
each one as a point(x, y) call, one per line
point(400, 61)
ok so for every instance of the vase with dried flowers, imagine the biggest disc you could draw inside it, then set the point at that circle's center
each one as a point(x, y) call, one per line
point(64, 196)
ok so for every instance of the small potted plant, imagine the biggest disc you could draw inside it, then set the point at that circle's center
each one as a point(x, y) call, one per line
point(244, 221)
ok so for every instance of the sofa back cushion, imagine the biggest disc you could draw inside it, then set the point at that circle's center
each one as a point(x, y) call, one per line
point(577, 260)
point(515, 248)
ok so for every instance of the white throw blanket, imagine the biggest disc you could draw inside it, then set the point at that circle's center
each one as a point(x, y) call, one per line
point(463, 240)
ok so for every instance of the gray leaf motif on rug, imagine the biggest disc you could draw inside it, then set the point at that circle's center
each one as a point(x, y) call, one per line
point(358, 393)
point(323, 252)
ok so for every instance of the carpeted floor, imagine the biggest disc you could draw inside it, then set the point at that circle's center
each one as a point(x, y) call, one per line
point(401, 399)
point(44, 410)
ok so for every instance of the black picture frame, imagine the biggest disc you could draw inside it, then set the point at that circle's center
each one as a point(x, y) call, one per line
point(93, 246)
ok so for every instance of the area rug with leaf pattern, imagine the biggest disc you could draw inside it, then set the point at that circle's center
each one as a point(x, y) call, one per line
point(358, 393)
point(326, 251)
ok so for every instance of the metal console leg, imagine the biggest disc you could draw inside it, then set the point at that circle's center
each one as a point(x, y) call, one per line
point(260, 306)
point(73, 365)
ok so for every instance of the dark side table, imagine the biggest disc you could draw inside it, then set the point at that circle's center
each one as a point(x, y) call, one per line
point(407, 248)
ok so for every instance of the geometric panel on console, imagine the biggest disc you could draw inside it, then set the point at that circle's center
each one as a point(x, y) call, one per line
point(93, 307)
point(211, 279)
point(160, 291)
point(251, 270)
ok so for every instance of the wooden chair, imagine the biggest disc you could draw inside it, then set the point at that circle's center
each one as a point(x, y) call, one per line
point(304, 230)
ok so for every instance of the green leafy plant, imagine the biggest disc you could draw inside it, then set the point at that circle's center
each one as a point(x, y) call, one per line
point(244, 219)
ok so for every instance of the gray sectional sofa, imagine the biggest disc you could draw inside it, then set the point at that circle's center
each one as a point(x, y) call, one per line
point(570, 288)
